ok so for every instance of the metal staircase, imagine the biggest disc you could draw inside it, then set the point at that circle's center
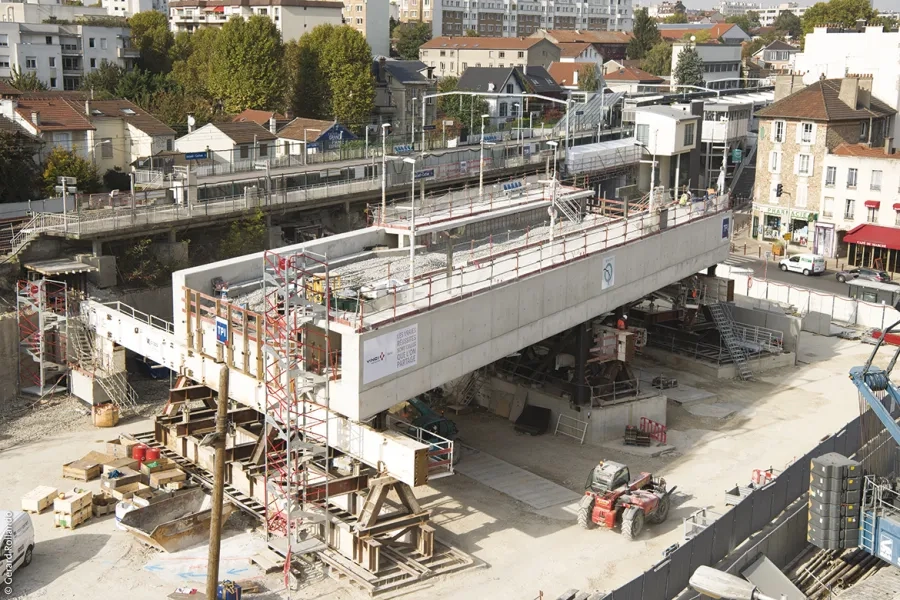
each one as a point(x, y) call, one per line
point(467, 392)
point(725, 324)
point(82, 352)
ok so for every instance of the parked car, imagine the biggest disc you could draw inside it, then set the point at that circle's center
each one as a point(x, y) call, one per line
point(866, 274)
point(16, 540)
point(808, 264)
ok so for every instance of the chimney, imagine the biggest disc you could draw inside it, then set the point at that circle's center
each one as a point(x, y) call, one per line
point(36, 118)
point(87, 108)
point(575, 78)
point(864, 98)
point(849, 91)
point(272, 127)
point(888, 145)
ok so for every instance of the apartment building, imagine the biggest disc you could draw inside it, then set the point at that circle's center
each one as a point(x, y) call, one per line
point(451, 56)
point(730, 8)
point(372, 19)
point(721, 64)
point(611, 45)
point(293, 18)
point(127, 8)
point(38, 11)
point(60, 55)
point(512, 19)
point(768, 14)
point(795, 134)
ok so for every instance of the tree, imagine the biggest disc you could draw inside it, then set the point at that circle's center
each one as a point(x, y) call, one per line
point(66, 163)
point(26, 82)
point(172, 107)
point(689, 67)
point(472, 33)
point(308, 95)
point(676, 18)
point(753, 17)
point(742, 21)
point(837, 12)
point(103, 81)
point(589, 78)
point(465, 110)
point(245, 236)
point(192, 58)
point(659, 60)
point(789, 24)
point(409, 37)
point(246, 65)
point(699, 37)
point(392, 25)
point(646, 35)
point(19, 173)
point(150, 34)
point(140, 86)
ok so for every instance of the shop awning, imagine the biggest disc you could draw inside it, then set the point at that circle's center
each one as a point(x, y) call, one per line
point(874, 235)
point(872, 203)
point(897, 206)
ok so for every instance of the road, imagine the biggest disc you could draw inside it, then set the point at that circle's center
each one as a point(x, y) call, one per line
point(825, 282)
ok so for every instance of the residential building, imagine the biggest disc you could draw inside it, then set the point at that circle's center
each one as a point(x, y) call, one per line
point(414, 11)
point(293, 18)
point(861, 199)
point(262, 117)
point(372, 19)
point(721, 64)
point(566, 74)
point(451, 56)
point(727, 33)
point(777, 56)
point(57, 121)
point(516, 19)
point(60, 55)
point(730, 8)
point(232, 143)
point(630, 79)
point(515, 81)
point(611, 45)
point(125, 132)
point(795, 132)
point(668, 135)
point(399, 84)
point(579, 52)
point(834, 52)
point(664, 10)
point(313, 134)
point(38, 12)
point(128, 8)
point(769, 14)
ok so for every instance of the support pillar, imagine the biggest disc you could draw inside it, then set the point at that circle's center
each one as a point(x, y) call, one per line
point(711, 271)
point(97, 248)
point(583, 342)
point(172, 236)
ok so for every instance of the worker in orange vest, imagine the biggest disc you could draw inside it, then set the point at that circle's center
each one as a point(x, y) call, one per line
point(622, 323)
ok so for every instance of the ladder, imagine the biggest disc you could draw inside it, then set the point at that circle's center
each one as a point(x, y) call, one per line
point(725, 325)
point(468, 392)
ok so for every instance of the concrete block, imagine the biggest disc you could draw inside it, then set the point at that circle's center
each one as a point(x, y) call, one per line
point(171, 253)
point(106, 275)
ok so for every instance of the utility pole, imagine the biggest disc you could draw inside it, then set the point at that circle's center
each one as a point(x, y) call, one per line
point(218, 496)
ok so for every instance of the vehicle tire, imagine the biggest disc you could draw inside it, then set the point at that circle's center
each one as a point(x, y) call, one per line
point(841, 279)
point(632, 524)
point(806, 272)
point(661, 513)
point(28, 556)
point(585, 507)
point(782, 267)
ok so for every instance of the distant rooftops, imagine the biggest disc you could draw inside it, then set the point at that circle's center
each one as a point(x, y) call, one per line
point(480, 43)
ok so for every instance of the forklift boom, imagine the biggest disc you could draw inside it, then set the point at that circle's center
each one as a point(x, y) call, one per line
point(869, 379)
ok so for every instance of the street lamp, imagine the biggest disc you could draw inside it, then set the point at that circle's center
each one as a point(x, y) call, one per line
point(718, 584)
point(555, 146)
point(410, 160)
point(384, 128)
point(516, 105)
point(481, 161)
point(305, 142)
point(100, 143)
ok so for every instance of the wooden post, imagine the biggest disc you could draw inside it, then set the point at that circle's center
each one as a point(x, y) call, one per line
point(218, 496)
point(246, 337)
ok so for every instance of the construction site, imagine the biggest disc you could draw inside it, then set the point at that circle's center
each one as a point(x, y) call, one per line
point(456, 400)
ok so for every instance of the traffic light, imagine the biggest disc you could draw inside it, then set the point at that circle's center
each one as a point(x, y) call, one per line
point(778, 190)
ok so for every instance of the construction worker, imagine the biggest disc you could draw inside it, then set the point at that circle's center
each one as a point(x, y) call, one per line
point(622, 323)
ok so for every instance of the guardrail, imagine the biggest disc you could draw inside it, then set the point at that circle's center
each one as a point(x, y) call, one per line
point(440, 451)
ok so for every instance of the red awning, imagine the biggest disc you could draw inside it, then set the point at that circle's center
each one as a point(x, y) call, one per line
point(872, 203)
point(219, 9)
point(874, 235)
point(897, 207)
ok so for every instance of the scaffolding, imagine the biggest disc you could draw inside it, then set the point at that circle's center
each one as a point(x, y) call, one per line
point(298, 367)
point(42, 313)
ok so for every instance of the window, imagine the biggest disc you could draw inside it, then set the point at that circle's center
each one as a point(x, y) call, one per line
point(4, 40)
point(245, 151)
point(849, 209)
point(91, 42)
point(509, 88)
point(443, 53)
point(521, 55)
point(31, 63)
point(263, 150)
point(4, 62)
point(106, 149)
point(871, 215)
point(876, 181)
point(442, 67)
point(851, 178)
point(52, 62)
point(802, 195)
point(93, 63)
point(830, 176)
point(642, 134)
point(774, 162)
point(689, 134)
point(503, 109)
point(465, 66)
point(806, 133)
point(863, 131)
point(778, 131)
point(501, 54)
point(169, 145)
point(827, 206)
point(803, 164)
point(897, 219)
point(52, 81)
point(49, 40)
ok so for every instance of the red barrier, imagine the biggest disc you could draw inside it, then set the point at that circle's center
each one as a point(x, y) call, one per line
point(655, 430)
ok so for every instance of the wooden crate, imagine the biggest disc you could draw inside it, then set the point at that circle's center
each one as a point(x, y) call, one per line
point(162, 464)
point(88, 467)
point(72, 502)
point(72, 520)
point(102, 506)
point(39, 499)
point(120, 448)
point(131, 490)
point(121, 463)
point(161, 478)
point(127, 476)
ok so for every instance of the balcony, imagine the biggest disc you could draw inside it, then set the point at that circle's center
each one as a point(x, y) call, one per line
point(128, 53)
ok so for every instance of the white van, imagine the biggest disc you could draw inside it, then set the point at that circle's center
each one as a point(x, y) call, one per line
point(16, 541)
point(808, 264)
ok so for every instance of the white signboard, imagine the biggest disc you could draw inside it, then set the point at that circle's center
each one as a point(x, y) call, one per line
point(389, 353)
point(609, 272)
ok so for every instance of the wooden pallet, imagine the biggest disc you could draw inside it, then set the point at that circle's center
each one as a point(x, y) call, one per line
point(268, 560)
point(39, 499)
point(72, 520)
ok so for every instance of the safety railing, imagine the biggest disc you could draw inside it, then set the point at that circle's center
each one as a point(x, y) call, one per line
point(614, 392)
point(440, 449)
point(143, 317)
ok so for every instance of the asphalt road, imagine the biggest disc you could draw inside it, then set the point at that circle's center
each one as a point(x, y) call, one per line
point(825, 282)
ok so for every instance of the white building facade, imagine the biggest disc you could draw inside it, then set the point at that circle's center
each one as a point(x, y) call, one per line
point(667, 135)
point(127, 8)
point(372, 19)
point(730, 8)
point(769, 14)
point(721, 64)
point(293, 18)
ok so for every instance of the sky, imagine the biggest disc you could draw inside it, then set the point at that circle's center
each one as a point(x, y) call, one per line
point(704, 4)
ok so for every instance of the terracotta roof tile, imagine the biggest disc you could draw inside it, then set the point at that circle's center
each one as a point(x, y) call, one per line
point(8, 90)
point(715, 32)
point(820, 102)
point(294, 129)
point(132, 114)
point(572, 49)
point(563, 73)
point(562, 36)
point(632, 74)
point(58, 114)
point(479, 43)
point(260, 117)
point(864, 151)
point(245, 132)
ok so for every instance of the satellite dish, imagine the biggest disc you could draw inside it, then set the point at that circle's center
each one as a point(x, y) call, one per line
point(191, 121)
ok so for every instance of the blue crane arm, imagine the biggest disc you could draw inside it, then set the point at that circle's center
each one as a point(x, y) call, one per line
point(870, 379)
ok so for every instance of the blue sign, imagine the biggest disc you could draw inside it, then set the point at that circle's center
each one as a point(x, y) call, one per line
point(313, 146)
point(425, 174)
point(196, 155)
point(429, 127)
point(221, 331)
point(491, 138)
point(726, 228)
point(578, 113)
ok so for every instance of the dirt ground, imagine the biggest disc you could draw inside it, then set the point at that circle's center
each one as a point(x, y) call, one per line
point(521, 552)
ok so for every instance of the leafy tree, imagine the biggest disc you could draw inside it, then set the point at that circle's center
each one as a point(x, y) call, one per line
point(245, 236)
point(472, 33)
point(700, 37)
point(392, 25)
point(66, 163)
point(192, 55)
point(103, 81)
point(172, 107)
point(409, 37)
point(309, 95)
point(246, 65)
point(589, 78)
point(754, 46)
point(659, 60)
point(139, 86)
point(116, 179)
point(140, 265)
point(26, 82)
point(888, 22)
point(742, 21)
point(688, 67)
point(753, 17)
point(459, 108)
point(789, 24)
point(837, 12)
point(150, 34)
point(676, 18)
point(19, 174)
point(646, 35)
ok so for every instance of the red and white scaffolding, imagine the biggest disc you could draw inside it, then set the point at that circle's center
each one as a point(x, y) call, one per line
point(42, 310)
point(298, 367)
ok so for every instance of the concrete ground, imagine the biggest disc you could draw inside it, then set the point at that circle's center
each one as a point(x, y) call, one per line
point(523, 551)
